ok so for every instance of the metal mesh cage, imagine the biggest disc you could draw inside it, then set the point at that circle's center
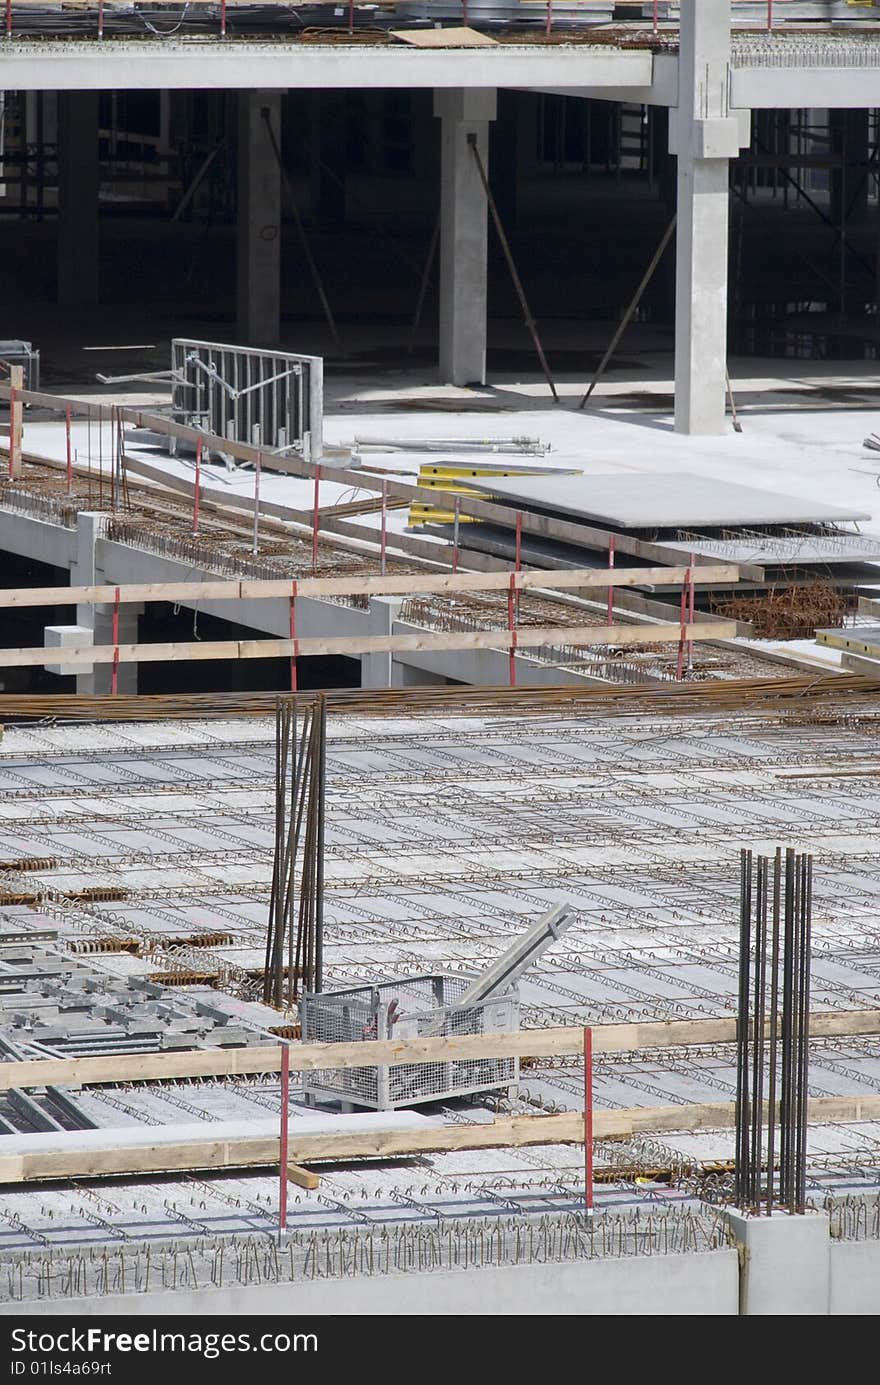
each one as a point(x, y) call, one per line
point(417, 1006)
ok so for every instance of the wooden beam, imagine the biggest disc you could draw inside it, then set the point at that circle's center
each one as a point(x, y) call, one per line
point(408, 584)
point(527, 637)
point(522, 1043)
point(510, 1133)
point(16, 380)
point(303, 1178)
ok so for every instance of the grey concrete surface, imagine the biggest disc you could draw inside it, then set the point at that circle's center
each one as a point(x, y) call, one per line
point(786, 1264)
point(855, 1279)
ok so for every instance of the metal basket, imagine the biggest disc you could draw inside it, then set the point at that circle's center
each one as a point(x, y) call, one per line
point(408, 1009)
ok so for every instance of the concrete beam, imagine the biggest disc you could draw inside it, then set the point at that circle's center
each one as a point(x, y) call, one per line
point(39, 539)
point(662, 90)
point(787, 88)
point(241, 64)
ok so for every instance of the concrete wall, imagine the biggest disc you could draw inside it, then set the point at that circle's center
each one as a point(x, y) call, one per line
point(693, 1285)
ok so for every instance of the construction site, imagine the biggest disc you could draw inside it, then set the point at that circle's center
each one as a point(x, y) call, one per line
point(440, 658)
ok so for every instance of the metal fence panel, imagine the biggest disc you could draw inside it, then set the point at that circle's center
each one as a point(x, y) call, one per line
point(271, 398)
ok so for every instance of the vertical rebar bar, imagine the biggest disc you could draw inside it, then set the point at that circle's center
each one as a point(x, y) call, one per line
point(758, 1028)
point(805, 893)
point(742, 1029)
point(319, 770)
point(283, 1142)
point(257, 469)
point(588, 1120)
point(774, 1027)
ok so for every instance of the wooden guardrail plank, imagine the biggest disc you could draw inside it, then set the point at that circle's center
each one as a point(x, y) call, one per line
point(507, 1133)
point(527, 637)
point(409, 584)
point(305, 1057)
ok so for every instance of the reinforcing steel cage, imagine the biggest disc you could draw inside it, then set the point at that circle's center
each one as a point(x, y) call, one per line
point(266, 398)
point(419, 1006)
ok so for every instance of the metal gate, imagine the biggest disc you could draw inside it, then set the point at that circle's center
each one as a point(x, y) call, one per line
point(262, 397)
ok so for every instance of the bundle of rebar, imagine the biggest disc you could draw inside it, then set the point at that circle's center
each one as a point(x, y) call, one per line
point(792, 613)
point(775, 930)
point(295, 956)
point(837, 693)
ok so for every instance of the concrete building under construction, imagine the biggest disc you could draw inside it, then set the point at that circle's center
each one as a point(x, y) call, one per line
point(440, 613)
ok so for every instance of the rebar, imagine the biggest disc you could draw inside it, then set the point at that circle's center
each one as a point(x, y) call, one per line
point(52, 1273)
point(791, 908)
point(297, 875)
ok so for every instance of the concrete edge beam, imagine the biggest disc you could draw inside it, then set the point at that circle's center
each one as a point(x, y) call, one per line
point(233, 65)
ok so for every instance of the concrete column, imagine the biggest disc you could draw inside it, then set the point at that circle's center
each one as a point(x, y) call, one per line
point(376, 668)
point(705, 134)
point(259, 219)
point(463, 234)
point(78, 187)
point(98, 679)
point(97, 621)
point(786, 1264)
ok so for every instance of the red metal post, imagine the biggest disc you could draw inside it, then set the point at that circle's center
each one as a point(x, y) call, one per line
point(315, 521)
point(511, 625)
point(198, 486)
point(548, 26)
point(285, 1121)
point(518, 553)
point(383, 543)
point(9, 18)
point(691, 611)
point(679, 672)
point(100, 18)
point(588, 1121)
point(114, 675)
point(295, 652)
point(769, 14)
point(351, 16)
point(222, 18)
point(656, 15)
point(611, 545)
point(12, 430)
point(259, 464)
point(455, 523)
